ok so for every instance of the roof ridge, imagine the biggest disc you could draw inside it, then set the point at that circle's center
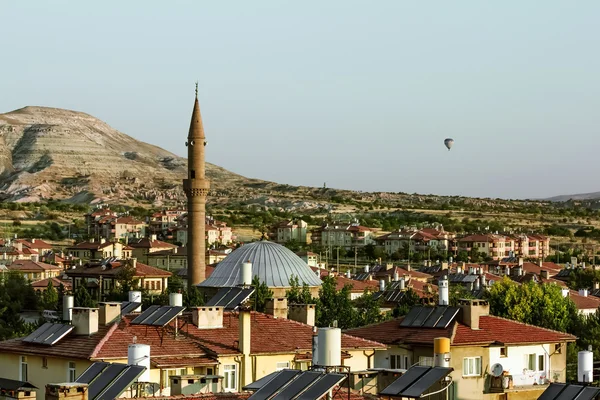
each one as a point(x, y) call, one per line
point(107, 335)
point(531, 325)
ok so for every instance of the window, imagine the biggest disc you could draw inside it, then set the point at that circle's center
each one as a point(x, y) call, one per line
point(71, 375)
point(399, 362)
point(557, 348)
point(193, 174)
point(394, 361)
point(472, 366)
point(44, 362)
point(503, 352)
point(23, 369)
point(282, 365)
point(530, 362)
point(426, 361)
point(229, 378)
point(209, 371)
point(541, 362)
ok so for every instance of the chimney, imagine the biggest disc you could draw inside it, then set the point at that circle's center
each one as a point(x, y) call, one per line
point(244, 345)
point(381, 285)
point(175, 250)
point(565, 292)
point(277, 307)
point(396, 276)
point(471, 310)
point(85, 320)
point(19, 246)
point(92, 240)
point(507, 271)
point(134, 263)
point(153, 237)
point(408, 268)
point(102, 240)
point(348, 274)
point(444, 265)
point(109, 312)
point(207, 317)
point(477, 284)
point(68, 304)
point(443, 291)
point(583, 292)
point(33, 240)
point(544, 274)
point(541, 263)
point(389, 266)
point(67, 391)
point(596, 285)
point(459, 270)
point(304, 313)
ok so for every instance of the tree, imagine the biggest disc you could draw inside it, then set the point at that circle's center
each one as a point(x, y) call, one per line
point(261, 294)
point(193, 297)
point(408, 301)
point(125, 277)
point(368, 309)
point(541, 305)
point(583, 278)
point(293, 245)
point(83, 298)
point(335, 305)
point(297, 294)
point(50, 297)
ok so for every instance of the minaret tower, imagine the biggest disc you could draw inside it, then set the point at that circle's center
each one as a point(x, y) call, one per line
point(196, 189)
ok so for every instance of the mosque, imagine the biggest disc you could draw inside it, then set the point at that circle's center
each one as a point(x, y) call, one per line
point(273, 263)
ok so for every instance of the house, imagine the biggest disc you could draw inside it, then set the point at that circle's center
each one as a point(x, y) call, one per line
point(145, 246)
point(122, 228)
point(34, 270)
point(345, 236)
point(241, 347)
point(12, 251)
point(163, 222)
point(217, 232)
point(585, 303)
point(310, 258)
point(101, 277)
point(414, 240)
point(93, 219)
point(493, 246)
point(531, 357)
point(357, 288)
point(42, 285)
point(98, 250)
point(37, 245)
point(288, 230)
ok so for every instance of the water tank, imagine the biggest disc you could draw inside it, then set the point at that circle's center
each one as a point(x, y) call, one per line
point(68, 304)
point(176, 299)
point(441, 352)
point(246, 278)
point(330, 347)
point(348, 274)
point(315, 347)
point(443, 291)
point(381, 285)
point(366, 268)
point(396, 276)
point(139, 354)
point(136, 297)
point(402, 284)
point(585, 366)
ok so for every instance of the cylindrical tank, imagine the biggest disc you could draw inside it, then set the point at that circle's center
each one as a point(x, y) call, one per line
point(381, 285)
point(402, 283)
point(330, 347)
point(443, 291)
point(315, 347)
point(246, 274)
point(585, 366)
point(176, 299)
point(139, 354)
point(68, 304)
point(136, 297)
point(366, 268)
point(441, 352)
point(348, 274)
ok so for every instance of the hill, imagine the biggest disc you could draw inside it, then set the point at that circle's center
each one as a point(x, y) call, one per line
point(581, 196)
point(69, 155)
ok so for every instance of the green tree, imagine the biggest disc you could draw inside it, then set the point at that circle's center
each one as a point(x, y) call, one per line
point(261, 294)
point(125, 277)
point(82, 297)
point(335, 305)
point(193, 297)
point(50, 297)
point(368, 310)
point(299, 294)
point(541, 305)
point(408, 301)
point(583, 278)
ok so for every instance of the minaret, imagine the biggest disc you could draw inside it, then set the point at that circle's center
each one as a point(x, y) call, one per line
point(196, 189)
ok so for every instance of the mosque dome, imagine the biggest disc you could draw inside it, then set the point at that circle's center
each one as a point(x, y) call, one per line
point(273, 263)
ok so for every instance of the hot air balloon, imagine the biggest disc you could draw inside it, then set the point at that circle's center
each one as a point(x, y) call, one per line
point(449, 142)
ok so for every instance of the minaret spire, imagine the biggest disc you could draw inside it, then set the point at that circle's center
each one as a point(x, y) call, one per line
point(196, 188)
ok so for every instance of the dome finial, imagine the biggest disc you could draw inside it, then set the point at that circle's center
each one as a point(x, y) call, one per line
point(196, 89)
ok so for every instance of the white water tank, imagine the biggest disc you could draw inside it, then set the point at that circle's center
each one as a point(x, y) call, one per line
point(402, 283)
point(348, 274)
point(68, 304)
point(330, 347)
point(176, 299)
point(366, 268)
point(135, 297)
point(381, 285)
point(585, 366)
point(139, 354)
point(396, 276)
point(246, 278)
point(443, 291)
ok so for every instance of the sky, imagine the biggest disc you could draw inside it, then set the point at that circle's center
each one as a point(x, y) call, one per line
point(352, 94)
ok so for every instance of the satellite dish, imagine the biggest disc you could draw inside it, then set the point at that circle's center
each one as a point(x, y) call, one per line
point(497, 369)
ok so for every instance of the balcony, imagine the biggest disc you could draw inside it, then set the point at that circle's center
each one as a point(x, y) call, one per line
point(504, 384)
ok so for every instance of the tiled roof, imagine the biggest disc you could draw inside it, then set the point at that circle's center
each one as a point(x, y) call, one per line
point(491, 329)
point(495, 329)
point(112, 269)
point(584, 302)
point(341, 394)
point(34, 244)
point(29, 265)
point(127, 221)
point(357, 286)
point(146, 243)
point(43, 284)
point(172, 362)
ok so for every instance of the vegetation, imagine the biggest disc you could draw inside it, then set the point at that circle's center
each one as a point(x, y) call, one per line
point(16, 295)
point(261, 294)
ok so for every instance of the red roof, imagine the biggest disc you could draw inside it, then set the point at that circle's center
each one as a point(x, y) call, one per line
point(357, 286)
point(146, 243)
point(491, 330)
point(43, 284)
point(112, 269)
point(584, 302)
point(34, 266)
point(36, 244)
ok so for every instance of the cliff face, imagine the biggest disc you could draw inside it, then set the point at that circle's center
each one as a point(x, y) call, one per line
point(62, 154)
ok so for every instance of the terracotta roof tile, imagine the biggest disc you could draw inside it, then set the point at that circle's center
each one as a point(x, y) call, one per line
point(29, 265)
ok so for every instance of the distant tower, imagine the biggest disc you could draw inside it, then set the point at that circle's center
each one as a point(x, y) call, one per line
point(196, 189)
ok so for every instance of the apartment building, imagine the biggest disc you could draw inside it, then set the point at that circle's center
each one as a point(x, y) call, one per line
point(343, 235)
point(416, 240)
point(217, 232)
point(288, 230)
point(163, 222)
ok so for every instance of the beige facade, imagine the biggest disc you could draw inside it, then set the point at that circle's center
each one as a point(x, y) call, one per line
point(290, 230)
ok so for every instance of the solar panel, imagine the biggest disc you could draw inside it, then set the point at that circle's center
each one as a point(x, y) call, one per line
point(105, 379)
point(230, 297)
point(570, 392)
point(322, 386)
point(92, 372)
point(128, 306)
point(261, 382)
point(168, 316)
point(588, 393)
point(411, 316)
point(270, 388)
point(423, 315)
point(407, 379)
point(431, 377)
point(140, 319)
point(434, 317)
point(119, 385)
point(38, 332)
point(299, 384)
point(449, 315)
point(61, 333)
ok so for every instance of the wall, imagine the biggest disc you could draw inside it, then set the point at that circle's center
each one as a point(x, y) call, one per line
point(468, 388)
point(382, 358)
point(55, 372)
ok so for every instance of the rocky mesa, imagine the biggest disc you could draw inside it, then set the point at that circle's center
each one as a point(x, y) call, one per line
point(61, 154)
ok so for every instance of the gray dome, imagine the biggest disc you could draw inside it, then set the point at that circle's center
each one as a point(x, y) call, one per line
point(273, 263)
